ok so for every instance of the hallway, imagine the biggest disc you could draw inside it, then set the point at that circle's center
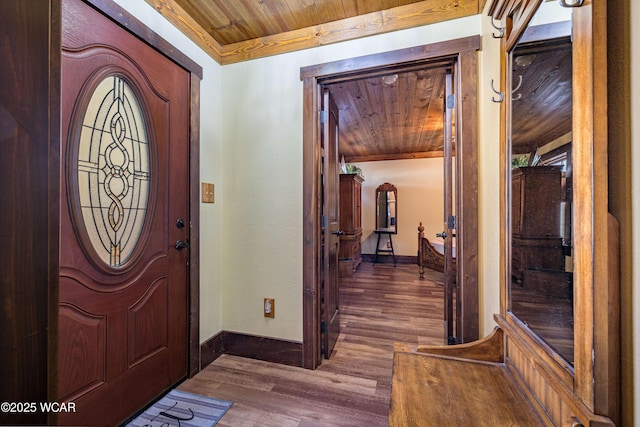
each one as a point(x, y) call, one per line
point(380, 305)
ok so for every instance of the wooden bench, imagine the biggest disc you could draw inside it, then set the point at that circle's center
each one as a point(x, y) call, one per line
point(461, 385)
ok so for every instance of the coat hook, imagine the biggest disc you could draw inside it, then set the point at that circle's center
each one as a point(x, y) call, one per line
point(500, 94)
point(500, 30)
point(516, 89)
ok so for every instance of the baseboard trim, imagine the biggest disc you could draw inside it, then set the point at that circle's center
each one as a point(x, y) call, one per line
point(251, 346)
point(211, 349)
point(388, 259)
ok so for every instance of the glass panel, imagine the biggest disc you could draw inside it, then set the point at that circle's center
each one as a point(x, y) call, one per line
point(113, 171)
point(386, 208)
point(541, 176)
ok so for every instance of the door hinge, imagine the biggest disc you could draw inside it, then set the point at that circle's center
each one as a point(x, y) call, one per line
point(451, 222)
point(324, 221)
point(451, 101)
point(323, 327)
point(324, 116)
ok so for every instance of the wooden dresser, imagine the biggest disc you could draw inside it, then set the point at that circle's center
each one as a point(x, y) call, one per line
point(350, 223)
point(536, 197)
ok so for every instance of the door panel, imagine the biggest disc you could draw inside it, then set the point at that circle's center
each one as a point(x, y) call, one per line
point(123, 319)
point(330, 288)
point(450, 311)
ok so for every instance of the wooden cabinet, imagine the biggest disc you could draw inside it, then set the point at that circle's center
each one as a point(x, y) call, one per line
point(350, 223)
point(536, 201)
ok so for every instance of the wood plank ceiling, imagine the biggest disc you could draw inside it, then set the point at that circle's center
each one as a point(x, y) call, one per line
point(542, 89)
point(379, 121)
point(401, 119)
point(393, 116)
point(238, 30)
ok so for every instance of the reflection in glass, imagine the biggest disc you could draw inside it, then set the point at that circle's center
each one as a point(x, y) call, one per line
point(386, 208)
point(541, 137)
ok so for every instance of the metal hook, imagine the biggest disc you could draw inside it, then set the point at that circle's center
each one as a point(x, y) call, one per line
point(516, 89)
point(500, 94)
point(500, 30)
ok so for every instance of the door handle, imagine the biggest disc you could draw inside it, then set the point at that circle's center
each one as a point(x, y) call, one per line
point(442, 235)
point(181, 244)
point(338, 232)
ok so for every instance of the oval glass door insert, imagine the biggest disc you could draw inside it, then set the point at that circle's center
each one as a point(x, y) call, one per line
point(113, 171)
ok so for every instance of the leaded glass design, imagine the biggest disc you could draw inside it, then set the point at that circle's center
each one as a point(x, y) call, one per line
point(113, 171)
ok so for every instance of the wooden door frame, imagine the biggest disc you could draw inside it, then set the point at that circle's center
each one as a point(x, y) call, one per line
point(130, 23)
point(463, 52)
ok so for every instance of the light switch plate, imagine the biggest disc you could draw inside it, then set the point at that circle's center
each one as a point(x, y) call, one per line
point(207, 192)
point(270, 307)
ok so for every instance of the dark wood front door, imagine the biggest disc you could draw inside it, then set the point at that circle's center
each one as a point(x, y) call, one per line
point(123, 324)
point(330, 324)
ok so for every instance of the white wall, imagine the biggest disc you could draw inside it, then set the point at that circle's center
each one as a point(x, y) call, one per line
point(420, 187)
point(488, 178)
point(262, 151)
point(251, 149)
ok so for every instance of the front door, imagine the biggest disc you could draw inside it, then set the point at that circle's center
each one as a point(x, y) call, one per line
point(330, 324)
point(123, 324)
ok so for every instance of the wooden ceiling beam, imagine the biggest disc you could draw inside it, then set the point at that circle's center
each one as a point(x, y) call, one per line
point(398, 18)
point(391, 156)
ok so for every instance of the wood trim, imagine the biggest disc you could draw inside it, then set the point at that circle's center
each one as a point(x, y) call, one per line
point(549, 388)
point(194, 228)
point(505, 180)
point(400, 259)
point(597, 302)
point(175, 14)
point(211, 349)
point(608, 381)
point(263, 348)
point(136, 27)
point(551, 360)
point(29, 151)
point(397, 18)
point(426, 53)
point(488, 349)
point(512, 37)
point(312, 77)
point(405, 156)
point(311, 225)
point(251, 346)
point(468, 328)
point(55, 107)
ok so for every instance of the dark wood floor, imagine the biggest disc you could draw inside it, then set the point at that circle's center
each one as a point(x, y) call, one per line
point(380, 305)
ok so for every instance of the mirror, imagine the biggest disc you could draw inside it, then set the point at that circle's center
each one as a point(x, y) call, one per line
point(387, 208)
point(540, 143)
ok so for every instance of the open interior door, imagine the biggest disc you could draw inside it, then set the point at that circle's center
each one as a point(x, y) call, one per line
point(449, 233)
point(330, 323)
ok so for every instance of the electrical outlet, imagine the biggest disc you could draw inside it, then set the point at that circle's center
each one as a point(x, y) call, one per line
point(269, 307)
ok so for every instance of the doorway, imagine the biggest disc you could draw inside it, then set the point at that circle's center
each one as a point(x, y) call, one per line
point(461, 54)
